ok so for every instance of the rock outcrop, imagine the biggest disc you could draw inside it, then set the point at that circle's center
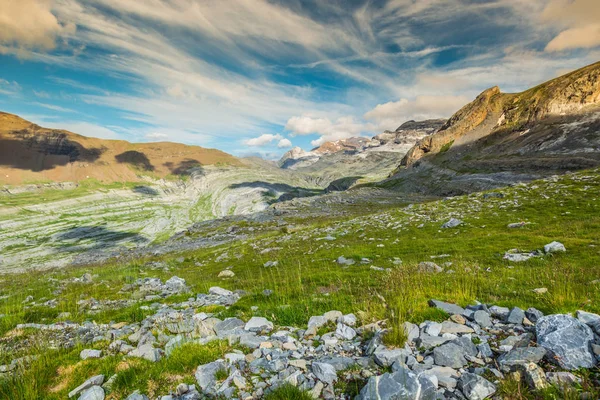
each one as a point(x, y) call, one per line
point(493, 111)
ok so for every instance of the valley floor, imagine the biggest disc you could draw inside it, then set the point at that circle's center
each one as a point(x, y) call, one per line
point(379, 257)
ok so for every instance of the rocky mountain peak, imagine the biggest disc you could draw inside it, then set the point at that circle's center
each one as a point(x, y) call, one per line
point(493, 110)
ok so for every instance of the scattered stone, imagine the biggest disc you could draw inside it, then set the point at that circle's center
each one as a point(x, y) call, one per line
point(554, 247)
point(226, 274)
point(93, 381)
point(447, 307)
point(344, 261)
point(90, 353)
point(452, 223)
point(259, 324)
point(429, 267)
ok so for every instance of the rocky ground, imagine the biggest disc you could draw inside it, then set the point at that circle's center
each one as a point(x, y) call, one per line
point(490, 295)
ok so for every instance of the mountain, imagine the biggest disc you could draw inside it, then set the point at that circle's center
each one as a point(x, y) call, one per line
point(358, 158)
point(30, 153)
point(502, 138)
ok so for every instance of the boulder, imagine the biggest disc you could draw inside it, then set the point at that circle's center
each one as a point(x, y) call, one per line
point(450, 355)
point(93, 393)
point(400, 385)
point(206, 375)
point(567, 339)
point(429, 267)
point(475, 387)
point(90, 353)
point(554, 247)
point(482, 318)
point(93, 381)
point(446, 307)
point(259, 324)
point(324, 372)
point(452, 223)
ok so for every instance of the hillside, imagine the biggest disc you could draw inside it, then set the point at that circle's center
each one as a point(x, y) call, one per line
point(31, 154)
point(500, 139)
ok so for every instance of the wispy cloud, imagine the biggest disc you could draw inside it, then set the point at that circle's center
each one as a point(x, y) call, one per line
point(214, 72)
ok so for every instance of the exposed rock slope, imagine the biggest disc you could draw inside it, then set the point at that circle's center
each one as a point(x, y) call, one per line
point(499, 138)
point(493, 111)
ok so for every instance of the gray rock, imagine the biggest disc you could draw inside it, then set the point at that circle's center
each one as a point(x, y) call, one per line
point(93, 393)
point(533, 314)
point(482, 319)
point(90, 353)
point(450, 355)
point(554, 247)
point(317, 321)
point(205, 375)
point(429, 267)
point(324, 372)
point(475, 387)
point(499, 312)
point(515, 316)
point(522, 355)
point(229, 324)
point(259, 324)
point(562, 378)
point(147, 352)
point(452, 223)
point(345, 332)
point(447, 377)
point(454, 328)
point(399, 385)
point(446, 307)
point(137, 396)
point(386, 357)
point(93, 381)
point(428, 341)
point(348, 319)
point(218, 291)
point(567, 339)
point(590, 319)
point(344, 261)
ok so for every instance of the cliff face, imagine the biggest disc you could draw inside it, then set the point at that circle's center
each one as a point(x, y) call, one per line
point(567, 94)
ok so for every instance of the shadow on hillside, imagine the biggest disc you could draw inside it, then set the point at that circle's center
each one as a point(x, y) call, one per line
point(37, 152)
point(342, 184)
point(146, 190)
point(136, 159)
point(278, 192)
point(184, 167)
point(102, 238)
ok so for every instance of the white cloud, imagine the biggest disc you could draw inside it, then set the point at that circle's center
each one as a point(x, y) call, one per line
point(394, 113)
point(9, 88)
point(262, 140)
point(53, 107)
point(579, 20)
point(305, 125)
point(587, 36)
point(30, 24)
point(284, 144)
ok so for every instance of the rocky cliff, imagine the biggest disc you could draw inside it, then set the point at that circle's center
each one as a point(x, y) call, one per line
point(493, 111)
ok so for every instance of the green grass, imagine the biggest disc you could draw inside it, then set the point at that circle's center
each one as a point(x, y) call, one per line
point(308, 282)
point(287, 392)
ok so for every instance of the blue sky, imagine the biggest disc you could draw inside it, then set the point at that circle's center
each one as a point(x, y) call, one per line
point(257, 77)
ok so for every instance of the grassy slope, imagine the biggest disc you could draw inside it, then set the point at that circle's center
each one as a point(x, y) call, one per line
point(307, 281)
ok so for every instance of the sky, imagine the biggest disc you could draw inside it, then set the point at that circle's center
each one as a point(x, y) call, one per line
point(256, 77)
